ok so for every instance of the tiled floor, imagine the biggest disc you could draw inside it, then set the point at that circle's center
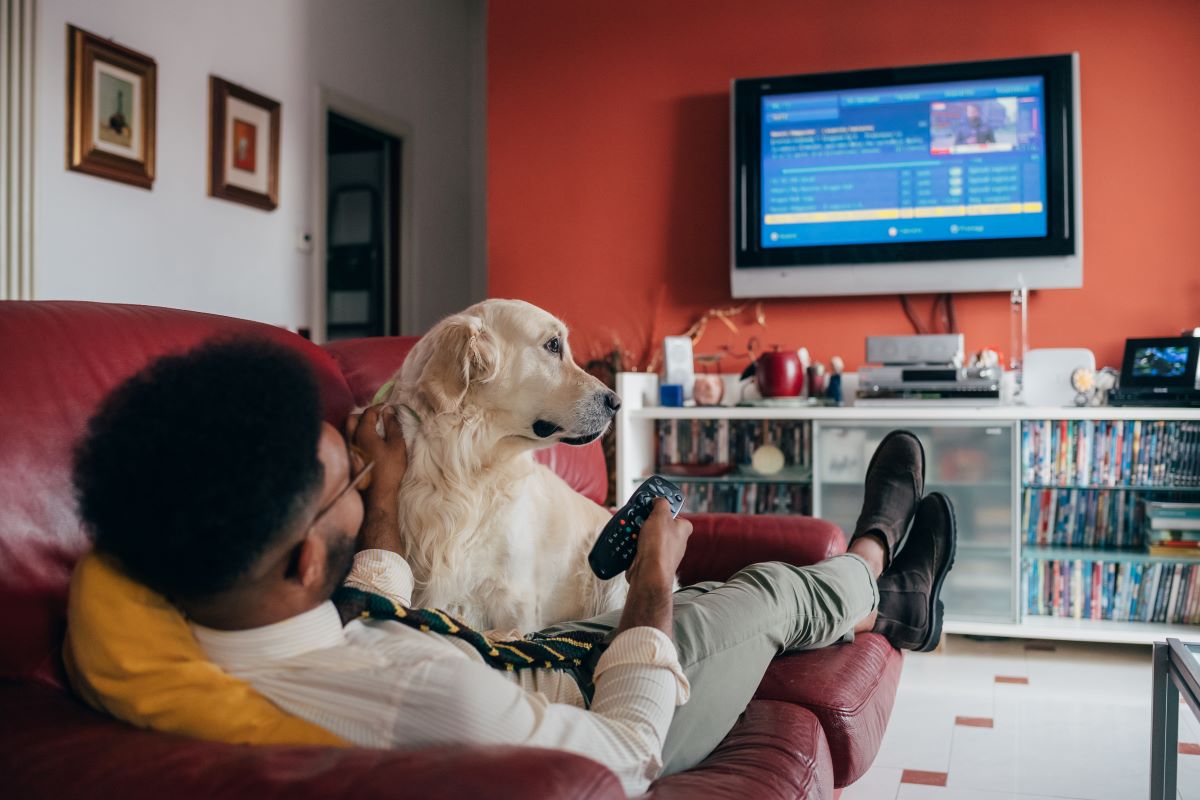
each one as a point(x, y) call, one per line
point(1013, 720)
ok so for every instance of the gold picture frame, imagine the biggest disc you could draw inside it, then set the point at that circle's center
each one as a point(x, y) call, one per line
point(243, 145)
point(111, 92)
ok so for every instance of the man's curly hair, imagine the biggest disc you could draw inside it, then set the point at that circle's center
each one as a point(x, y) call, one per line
point(194, 466)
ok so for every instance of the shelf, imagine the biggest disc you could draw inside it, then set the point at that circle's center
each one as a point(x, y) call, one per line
point(986, 585)
point(1076, 630)
point(931, 413)
point(997, 550)
point(801, 476)
point(1099, 554)
point(1100, 487)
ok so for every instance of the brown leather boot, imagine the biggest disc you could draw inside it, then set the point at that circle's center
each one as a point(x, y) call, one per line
point(910, 610)
point(895, 481)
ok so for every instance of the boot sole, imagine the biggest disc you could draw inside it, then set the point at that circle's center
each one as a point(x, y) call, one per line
point(937, 610)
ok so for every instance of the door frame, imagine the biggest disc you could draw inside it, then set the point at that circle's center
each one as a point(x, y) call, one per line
point(330, 100)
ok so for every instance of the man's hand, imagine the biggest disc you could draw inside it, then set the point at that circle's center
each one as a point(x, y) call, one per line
point(661, 544)
point(387, 451)
point(381, 526)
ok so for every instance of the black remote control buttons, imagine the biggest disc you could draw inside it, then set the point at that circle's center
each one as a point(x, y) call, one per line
point(617, 545)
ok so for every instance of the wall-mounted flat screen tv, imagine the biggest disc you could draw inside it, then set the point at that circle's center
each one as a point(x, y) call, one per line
point(944, 178)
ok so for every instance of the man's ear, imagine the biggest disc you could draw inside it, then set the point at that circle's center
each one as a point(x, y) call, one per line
point(461, 351)
point(310, 562)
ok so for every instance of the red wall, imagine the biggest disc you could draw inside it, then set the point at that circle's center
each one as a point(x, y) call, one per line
point(608, 142)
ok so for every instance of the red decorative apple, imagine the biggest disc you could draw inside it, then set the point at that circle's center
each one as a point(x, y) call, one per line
point(779, 374)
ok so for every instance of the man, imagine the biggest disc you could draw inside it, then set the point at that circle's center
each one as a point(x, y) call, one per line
point(974, 130)
point(211, 478)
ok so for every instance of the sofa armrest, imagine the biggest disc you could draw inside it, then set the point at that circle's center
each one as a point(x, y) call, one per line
point(775, 750)
point(53, 746)
point(721, 544)
point(851, 688)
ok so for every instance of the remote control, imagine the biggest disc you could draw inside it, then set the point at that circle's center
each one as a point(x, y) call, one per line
point(614, 550)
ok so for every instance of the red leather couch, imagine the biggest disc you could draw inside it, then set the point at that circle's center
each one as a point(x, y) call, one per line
point(816, 723)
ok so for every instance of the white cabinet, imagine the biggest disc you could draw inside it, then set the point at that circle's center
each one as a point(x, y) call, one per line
point(972, 455)
point(973, 464)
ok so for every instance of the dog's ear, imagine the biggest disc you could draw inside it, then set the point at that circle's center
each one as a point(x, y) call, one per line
point(462, 352)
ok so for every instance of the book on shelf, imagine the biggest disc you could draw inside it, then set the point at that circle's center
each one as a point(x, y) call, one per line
point(1109, 453)
point(1161, 515)
point(1172, 529)
point(1172, 524)
point(1176, 550)
point(733, 442)
point(1176, 538)
point(1113, 590)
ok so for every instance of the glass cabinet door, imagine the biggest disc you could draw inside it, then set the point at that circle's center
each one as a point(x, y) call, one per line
point(972, 463)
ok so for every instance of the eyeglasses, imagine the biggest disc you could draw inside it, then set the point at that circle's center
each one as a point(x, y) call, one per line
point(360, 480)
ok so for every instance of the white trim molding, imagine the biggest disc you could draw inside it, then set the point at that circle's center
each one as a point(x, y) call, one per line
point(330, 100)
point(16, 148)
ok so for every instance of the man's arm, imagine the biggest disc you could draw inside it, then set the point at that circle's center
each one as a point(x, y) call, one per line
point(381, 525)
point(379, 565)
point(661, 544)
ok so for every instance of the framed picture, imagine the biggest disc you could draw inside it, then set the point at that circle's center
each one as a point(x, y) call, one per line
point(243, 145)
point(110, 109)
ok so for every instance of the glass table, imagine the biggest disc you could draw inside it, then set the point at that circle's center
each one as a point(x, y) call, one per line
point(1176, 674)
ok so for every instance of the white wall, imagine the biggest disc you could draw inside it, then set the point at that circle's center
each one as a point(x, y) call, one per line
point(419, 61)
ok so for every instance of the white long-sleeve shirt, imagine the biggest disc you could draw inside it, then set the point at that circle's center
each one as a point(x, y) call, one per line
point(379, 683)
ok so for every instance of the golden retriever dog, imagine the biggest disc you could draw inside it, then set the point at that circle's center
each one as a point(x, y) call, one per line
point(493, 537)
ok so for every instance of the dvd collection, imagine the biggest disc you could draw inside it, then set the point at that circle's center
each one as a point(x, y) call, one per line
point(1091, 456)
point(1110, 453)
point(1082, 518)
point(1113, 590)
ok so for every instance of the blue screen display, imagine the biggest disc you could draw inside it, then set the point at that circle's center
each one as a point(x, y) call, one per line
point(920, 163)
point(1159, 362)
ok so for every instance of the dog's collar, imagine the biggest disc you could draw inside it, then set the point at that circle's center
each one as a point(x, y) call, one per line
point(384, 391)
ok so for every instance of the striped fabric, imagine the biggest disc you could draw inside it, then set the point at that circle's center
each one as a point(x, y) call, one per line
point(535, 651)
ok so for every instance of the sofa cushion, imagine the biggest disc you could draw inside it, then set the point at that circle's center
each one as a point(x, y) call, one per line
point(131, 653)
point(60, 360)
point(850, 688)
point(53, 746)
point(777, 748)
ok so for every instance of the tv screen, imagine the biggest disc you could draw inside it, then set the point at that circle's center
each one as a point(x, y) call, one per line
point(952, 177)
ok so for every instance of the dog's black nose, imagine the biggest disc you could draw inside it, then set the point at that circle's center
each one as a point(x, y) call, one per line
point(612, 401)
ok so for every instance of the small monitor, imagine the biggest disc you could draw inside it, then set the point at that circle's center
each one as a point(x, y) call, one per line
point(1160, 363)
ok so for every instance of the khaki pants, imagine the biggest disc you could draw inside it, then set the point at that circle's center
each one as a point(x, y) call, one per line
point(727, 633)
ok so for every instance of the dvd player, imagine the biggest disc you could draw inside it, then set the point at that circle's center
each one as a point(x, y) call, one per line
point(929, 382)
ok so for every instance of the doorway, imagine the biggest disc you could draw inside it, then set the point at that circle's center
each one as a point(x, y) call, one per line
point(362, 287)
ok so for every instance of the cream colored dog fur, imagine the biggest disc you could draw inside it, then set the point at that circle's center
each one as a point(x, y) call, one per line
point(494, 537)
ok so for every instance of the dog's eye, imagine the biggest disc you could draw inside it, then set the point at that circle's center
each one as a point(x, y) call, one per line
point(554, 346)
